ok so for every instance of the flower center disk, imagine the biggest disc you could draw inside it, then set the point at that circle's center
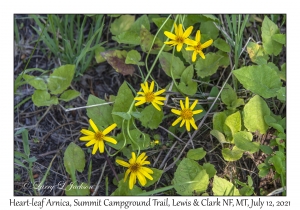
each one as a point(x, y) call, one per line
point(135, 167)
point(186, 114)
point(99, 136)
point(149, 96)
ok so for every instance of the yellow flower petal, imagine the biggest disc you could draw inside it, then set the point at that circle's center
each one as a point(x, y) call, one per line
point(187, 125)
point(181, 105)
point(188, 32)
point(151, 86)
point(190, 42)
point(126, 174)
point(109, 128)
point(179, 46)
point(158, 102)
point(101, 146)
point(201, 54)
point(156, 106)
point(141, 178)
point(207, 44)
point(175, 111)
point(187, 102)
point(197, 111)
point(93, 125)
point(194, 56)
point(87, 132)
point(171, 43)
point(147, 170)
point(132, 180)
point(123, 163)
point(139, 159)
point(198, 36)
point(90, 143)
point(159, 92)
point(140, 102)
point(141, 93)
point(177, 121)
point(182, 122)
point(194, 104)
point(95, 148)
point(192, 121)
point(170, 35)
point(86, 138)
point(109, 139)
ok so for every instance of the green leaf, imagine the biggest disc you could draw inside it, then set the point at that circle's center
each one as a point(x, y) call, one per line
point(171, 63)
point(243, 140)
point(123, 189)
point(122, 103)
point(257, 53)
point(209, 28)
point(101, 115)
point(132, 35)
point(98, 56)
point(75, 190)
point(151, 117)
point(264, 169)
point(166, 27)
point(254, 112)
point(278, 161)
point(269, 29)
point(156, 176)
point(74, 159)
point(68, 95)
point(122, 24)
point(280, 38)
point(187, 85)
point(196, 154)
point(36, 82)
point(261, 80)
point(222, 187)
point(116, 58)
point(43, 98)
point(61, 78)
point(232, 155)
point(146, 42)
point(210, 169)
point(282, 73)
point(190, 177)
point(221, 45)
point(25, 142)
point(208, 66)
point(139, 141)
point(233, 124)
point(218, 121)
point(224, 61)
point(134, 57)
point(220, 136)
point(228, 95)
point(124, 115)
point(266, 149)
point(281, 94)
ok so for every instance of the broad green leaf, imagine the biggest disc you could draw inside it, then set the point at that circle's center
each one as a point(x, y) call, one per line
point(121, 24)
point(261, 80)
point(254, 112)
point(191, 19)
point(101, 115)
point(68, 95)
point(210, 169)
point(282, 73)
point(257, 53)
point(268, 30)
point(74, 159)
point(169, 63)
point(116, 58)
point(224, 61)
point(278, 161)
point(156, 176)
point(98, 56)
point(232, 155)
point(266, 149)
point(123, 189)
point(243, 141)
point(196, 154)
point(281, 94)
point(134, 57)
point(228, 95)
point(221, 45)
point(264, 169)
point(218, 121)
point(36, 82)
point(43, 98)
point(151, 117)
point(122, 103)
point(75, 190)
point(121, 142)
point(132, 35)
point(222, 187)
point(166, 27)
point(190, 177)
point(209, 28)
point(187, 85)
point(220, 136)
point(211, 17)
point(61, 78)
point(146, 42)
point(124, 115)
point(139, 141)
point(233, 124)
point(237, 103)
point(209, 65)
point(280, 38)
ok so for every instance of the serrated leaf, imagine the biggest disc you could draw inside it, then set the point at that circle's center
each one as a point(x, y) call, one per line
point(36, 82)
point(151, 117)
point(68, 95)
point(170, 62)
point(257, 53)
point(121, 24)
point(218, 121)
point(116, 58)
point(220, 136)
point(187, 85)
point(268, 30)
point(156, 176)
point(146, 42)
point(232, 155)
point(190, 177)
point(101, 115)
point(75, 190)
point(196, 154)
point(132, 35)
point(254, 112)
point(261, 80)
point(222, 187)
point(133, 57)
point(61, 78)
point(208, 66)
point(74, 159)
point(221, 45)
point(122, 103)
point(210, 169)
point(43, 98)
point(243, 141)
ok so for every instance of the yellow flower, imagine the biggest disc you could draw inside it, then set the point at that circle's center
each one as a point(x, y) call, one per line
point(186, 114)
point(136, 169)
point(149, 96)
point(97, 137)
point(198, 47)
point(179, 38)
